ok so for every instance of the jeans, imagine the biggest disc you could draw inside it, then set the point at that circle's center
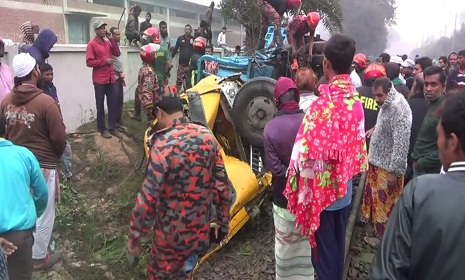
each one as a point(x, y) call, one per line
point(328, 256)
point(119, 101)
point(66, 161)
point(108, 91)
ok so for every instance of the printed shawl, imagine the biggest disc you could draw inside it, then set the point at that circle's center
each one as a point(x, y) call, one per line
point(329, 150)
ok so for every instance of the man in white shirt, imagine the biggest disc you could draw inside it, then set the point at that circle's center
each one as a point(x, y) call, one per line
point(222, 40)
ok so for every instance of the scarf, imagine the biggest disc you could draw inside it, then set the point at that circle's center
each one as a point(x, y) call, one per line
point(397, 81)
point(27, 31)
point(329, 150)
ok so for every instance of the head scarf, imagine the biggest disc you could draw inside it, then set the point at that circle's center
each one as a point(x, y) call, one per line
point(284, 85)
point(28, 32)
point(392, 72)
point(329, 150)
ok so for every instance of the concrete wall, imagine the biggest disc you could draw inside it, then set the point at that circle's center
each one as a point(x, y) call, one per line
point(73, 79)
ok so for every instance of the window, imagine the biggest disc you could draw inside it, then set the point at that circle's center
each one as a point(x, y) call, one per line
point(78, 29)
point(184, 14)
point(114, 3)
point(159, 10)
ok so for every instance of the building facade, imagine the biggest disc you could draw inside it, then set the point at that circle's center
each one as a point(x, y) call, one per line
point(72, 20)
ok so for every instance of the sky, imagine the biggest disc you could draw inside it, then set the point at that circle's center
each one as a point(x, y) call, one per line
point(416, 20)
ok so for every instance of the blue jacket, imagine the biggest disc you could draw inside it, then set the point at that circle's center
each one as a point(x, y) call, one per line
point(20, 175)
point(51, 91)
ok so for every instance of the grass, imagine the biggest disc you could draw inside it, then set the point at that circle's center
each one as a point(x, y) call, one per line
point(93, 219)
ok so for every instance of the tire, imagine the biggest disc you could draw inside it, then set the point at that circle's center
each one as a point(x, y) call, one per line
point(253, 107)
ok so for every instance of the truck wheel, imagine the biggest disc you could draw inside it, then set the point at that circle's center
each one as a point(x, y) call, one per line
point(253, 107)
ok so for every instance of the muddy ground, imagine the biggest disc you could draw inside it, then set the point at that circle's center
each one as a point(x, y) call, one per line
point(93, 217)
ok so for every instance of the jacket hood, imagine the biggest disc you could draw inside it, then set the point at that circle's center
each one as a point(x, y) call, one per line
point(24, 93)
point(41, 47)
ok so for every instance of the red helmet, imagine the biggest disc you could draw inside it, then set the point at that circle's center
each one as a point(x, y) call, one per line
point(294, 4)
point(151, 35)
point(361, 60)
point(313, 18)
point(374, 71)
point(149, 52)
point(200, 44)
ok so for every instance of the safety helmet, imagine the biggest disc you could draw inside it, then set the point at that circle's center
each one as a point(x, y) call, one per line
point(294, 4)
point(151, 35)
point(149, 52)
point(361, 60)
point(374, 71)
point(313, 18)
point(199, 44)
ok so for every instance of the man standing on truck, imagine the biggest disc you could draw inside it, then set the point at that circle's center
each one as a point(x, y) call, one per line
point(271, 14)
point(296, 30)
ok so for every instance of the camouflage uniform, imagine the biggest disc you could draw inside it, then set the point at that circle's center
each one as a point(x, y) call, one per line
point(147, 90)
point(300, 26)
point(268, 16)
point(184, 177)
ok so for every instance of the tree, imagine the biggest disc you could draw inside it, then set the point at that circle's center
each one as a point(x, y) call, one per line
point(246, 12)
point(366, 21)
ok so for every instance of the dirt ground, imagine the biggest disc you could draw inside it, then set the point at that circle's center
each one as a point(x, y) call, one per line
point(93, 216)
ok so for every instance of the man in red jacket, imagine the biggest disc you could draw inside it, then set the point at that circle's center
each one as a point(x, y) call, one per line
point(99, 56)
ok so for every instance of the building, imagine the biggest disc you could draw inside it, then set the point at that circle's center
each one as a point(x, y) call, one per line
point(72, 20)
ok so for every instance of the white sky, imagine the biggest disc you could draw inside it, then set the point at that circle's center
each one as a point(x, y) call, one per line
point(416, 20)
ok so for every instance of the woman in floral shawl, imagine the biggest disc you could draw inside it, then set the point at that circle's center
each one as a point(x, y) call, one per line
point(329, 150)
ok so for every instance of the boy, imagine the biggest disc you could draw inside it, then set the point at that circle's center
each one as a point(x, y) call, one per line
point(49, 88)
point(210, 65)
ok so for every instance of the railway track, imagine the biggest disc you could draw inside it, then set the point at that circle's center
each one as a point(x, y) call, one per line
point(358, 256)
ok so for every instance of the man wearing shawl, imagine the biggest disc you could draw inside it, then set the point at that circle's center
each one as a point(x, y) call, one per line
point(329, 150)
point(292, 250)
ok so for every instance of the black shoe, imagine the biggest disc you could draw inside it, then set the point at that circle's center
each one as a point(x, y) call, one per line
point(116, 133)
point(105, 134)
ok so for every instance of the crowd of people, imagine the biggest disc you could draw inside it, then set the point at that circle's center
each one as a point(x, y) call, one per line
point(400, 120)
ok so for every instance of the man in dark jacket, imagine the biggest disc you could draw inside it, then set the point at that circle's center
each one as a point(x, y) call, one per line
point(408, 66)
point(419, 106)
point(185, 48)
point(425, 154)
point(393, 72)
point(41, 47)
point(278, 138)
point(424, 239)
point(370, 107)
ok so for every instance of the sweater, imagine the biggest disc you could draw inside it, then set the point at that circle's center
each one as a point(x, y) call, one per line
point(278, 139)
point(426, 153)
point(390, 140)
point(34, 121)
point(22, 186)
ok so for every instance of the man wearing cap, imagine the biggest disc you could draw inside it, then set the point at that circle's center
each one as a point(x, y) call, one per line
point(360, 64)
point(99, 57)
point(185, 159)
point(34, 121)
point(370, 107)
point(407, 69)
point(6, 80)
point(292, 249)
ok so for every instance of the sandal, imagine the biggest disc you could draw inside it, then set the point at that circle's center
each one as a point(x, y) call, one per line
point(372, 241)
point(48, 262)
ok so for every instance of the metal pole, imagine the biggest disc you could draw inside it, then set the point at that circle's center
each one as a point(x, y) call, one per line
point(453, 34)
